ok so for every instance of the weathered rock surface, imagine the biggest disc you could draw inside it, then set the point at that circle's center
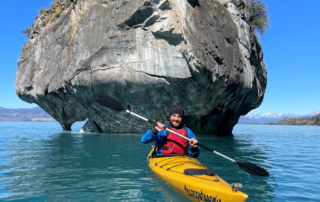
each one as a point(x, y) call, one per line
point(150, 54)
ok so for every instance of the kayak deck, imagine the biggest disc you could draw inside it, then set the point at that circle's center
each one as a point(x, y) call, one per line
point(200, 187)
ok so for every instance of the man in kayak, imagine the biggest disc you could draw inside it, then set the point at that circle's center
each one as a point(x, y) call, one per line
point(168, 143)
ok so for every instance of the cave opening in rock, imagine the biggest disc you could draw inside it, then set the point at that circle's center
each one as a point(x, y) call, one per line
point(76, 126)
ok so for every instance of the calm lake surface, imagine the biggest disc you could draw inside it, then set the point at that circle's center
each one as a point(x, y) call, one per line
point(38, 162)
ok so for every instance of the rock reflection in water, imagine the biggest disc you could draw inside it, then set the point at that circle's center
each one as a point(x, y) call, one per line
point(38, 164)
point(74, 167)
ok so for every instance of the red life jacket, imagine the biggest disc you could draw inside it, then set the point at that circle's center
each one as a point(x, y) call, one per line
point(174, 144)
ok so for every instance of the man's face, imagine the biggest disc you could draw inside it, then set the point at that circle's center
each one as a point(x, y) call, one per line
point(175, 120)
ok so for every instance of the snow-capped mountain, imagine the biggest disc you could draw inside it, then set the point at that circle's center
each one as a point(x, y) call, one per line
point(313, 113)
point(270, 117)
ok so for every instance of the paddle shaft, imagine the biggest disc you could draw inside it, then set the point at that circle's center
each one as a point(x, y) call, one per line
point(167, 129)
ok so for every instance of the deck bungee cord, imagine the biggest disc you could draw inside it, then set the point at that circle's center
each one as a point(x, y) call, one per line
point(184, 163)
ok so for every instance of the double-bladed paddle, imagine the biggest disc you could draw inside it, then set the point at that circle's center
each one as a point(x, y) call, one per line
point(111, 103)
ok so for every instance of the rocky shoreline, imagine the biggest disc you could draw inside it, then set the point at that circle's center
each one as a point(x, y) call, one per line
point(308, 121)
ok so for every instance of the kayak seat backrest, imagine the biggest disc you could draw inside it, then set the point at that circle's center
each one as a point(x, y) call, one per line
point(199, 172)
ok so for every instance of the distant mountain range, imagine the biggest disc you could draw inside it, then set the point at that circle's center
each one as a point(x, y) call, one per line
point(309, 121)
point(24, 115)
point(269, 117)
point(38, 114)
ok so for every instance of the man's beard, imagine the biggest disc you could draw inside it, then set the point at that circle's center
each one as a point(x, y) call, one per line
point(179, 126)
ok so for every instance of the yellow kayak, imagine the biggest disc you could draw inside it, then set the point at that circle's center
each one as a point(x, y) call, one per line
point(187, 176)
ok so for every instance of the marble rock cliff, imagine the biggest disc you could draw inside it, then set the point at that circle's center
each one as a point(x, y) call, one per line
point(149, 54)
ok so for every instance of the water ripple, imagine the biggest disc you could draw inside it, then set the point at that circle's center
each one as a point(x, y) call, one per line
point(39, 163)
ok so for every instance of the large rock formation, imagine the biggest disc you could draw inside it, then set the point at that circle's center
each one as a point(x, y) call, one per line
point(150, 54)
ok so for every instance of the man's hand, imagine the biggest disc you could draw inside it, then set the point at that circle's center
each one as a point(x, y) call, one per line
point(160, 127)
point(193, 143)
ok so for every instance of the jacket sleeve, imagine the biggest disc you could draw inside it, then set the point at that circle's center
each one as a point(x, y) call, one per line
point(194, 152)
point(149, 136)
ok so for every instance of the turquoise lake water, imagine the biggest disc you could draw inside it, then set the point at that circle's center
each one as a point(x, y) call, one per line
point(38, 162)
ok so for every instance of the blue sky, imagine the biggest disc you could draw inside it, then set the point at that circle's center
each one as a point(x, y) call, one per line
point(291, 51)
point(15, 16)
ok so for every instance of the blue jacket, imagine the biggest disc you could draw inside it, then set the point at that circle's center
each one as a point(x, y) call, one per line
point(158, 138)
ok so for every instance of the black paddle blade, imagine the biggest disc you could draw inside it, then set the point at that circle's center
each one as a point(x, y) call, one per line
point(107, 101)
point(253, 169)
